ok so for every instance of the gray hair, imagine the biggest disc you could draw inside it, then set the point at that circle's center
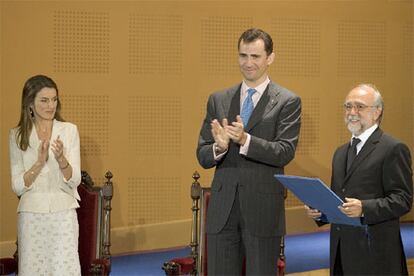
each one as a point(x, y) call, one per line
point(379, 102)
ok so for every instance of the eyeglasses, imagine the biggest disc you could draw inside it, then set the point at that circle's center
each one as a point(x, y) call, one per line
point(358, 107)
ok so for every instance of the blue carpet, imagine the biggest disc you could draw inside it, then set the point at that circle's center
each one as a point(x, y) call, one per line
point(303, 253)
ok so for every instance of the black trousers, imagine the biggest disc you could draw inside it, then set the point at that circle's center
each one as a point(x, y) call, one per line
point(337, 268)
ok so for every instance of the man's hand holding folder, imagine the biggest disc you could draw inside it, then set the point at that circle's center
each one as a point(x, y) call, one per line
point(352, 208)
point(323, 204)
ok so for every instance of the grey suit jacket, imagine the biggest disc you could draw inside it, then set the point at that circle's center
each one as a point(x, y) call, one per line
point(381, 177)
point(274, 128)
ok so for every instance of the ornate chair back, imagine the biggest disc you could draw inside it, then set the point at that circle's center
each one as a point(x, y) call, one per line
point(94, 225)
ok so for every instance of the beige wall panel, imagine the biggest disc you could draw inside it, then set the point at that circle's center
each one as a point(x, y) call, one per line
point(135, 77)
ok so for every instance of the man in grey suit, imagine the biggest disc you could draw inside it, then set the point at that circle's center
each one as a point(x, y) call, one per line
point(249, 134)
point(373, 176)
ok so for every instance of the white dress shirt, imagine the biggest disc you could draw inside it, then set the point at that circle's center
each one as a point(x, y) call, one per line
point(256, 97)
point(364, 137)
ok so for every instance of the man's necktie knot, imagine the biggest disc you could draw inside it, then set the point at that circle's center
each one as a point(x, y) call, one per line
point(250, 92)
point(247, 107)
point(355, 142)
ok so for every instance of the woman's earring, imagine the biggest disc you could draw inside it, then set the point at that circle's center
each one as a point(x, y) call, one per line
point(31, 112)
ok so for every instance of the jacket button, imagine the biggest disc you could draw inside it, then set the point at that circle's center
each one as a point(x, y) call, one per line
point(343, 190)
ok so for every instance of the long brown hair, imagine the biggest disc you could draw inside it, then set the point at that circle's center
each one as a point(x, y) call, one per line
point(31, 87)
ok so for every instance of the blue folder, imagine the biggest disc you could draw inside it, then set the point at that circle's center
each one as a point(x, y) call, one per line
point(314, 193)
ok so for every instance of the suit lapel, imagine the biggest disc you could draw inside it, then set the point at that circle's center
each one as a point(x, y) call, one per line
point(366, 150)
point(55, 130)
point(264, 106)
point(341, 162)
point(232, 104)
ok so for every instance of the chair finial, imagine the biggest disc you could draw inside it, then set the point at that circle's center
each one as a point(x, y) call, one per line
point(196, 176)
point(195, 186)
point(108, 176)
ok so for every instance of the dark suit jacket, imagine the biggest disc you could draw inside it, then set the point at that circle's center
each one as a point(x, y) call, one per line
point(381, 177)
point(274, 128)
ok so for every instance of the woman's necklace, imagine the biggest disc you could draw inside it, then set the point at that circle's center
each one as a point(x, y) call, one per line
point(43, 133)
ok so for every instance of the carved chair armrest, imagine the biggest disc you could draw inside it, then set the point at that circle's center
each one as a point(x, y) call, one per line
point(179, 266)
point(100, 267)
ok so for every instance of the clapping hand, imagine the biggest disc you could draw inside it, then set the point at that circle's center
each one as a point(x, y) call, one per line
point(43, 151)
point(221, 138)
point(236, 131)
point(57, 148)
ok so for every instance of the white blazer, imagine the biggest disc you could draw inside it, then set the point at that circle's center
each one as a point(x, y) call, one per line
point(50, 192)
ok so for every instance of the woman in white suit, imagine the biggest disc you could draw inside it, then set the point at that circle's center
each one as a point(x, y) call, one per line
point(45, 171)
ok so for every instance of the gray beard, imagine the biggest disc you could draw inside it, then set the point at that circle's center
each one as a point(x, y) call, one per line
point(354, 129)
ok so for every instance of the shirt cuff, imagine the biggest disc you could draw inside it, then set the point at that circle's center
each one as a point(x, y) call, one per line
point(217, 156)
point(25, 188)
point(245, 148)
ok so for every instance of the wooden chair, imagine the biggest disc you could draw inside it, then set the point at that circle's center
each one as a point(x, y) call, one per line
point(94, 225)
point(196, 263)
point(94, 229)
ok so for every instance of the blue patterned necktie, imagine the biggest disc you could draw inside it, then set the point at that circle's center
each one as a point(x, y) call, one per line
point(248, 106)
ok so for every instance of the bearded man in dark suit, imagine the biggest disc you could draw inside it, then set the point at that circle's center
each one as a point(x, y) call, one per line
point(249, 134)
point(374, 178)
